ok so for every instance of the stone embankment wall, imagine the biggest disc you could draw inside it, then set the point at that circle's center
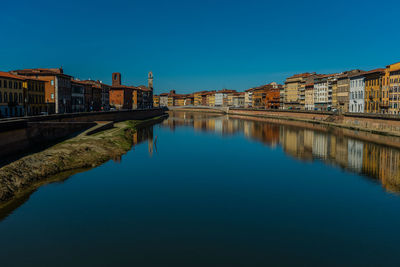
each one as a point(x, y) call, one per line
point(17, 135)
point(374, 123)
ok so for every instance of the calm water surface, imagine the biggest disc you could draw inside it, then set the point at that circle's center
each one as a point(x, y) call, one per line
point(210, 190)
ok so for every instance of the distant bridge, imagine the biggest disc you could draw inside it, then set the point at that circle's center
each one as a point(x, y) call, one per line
point(208, 108)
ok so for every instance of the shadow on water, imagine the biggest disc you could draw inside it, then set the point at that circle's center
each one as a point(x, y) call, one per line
point(373, 156)
point(143, 133)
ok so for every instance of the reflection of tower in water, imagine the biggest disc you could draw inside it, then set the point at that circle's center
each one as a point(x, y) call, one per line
point(150, 143)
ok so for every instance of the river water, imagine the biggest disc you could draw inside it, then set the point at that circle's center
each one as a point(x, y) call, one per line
point(211, 190)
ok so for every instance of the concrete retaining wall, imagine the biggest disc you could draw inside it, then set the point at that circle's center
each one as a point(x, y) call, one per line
point(17, 135)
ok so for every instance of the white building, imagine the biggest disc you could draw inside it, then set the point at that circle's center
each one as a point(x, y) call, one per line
point(321, 94)
point(164, 100)
point(248, 98)
point(221, 97)
point(357, 92)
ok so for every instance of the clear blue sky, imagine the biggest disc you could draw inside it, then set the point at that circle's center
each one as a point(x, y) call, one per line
point(199, 45)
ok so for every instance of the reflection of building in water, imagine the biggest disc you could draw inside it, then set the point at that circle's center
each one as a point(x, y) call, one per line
point(247, 126)
point(342, 151)
point(376, 161)
point(388, 166)
point(370, 158)
point(150, 144)
point(308, 140)
point(355, 154)
point(266, 133)
point(218, 125)
point(141, 135)
point(292, 140)
point(320, 145)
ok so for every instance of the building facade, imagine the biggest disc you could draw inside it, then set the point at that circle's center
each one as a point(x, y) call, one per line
point(221, 97)
point(309, 97)
point(156, 101)
point(248, 98)
point(121, 96)
point(11, 95)
point(164, 100)
point(294, 91)
point(357, 92)
point(33, 96)
point(373, 90)
point(394, 88)
point(57, 88)
point(77, 96)
point(322, 98)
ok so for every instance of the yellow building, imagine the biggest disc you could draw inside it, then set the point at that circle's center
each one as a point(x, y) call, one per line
point(394, 85)
point(211, 99)
point(385, 92)
point(171, 100)
point(179, 101)
point(373, 90)
point(200, 98)
point(333, 84)
point(189, 99)
point(156, 101)
point(34, 95)
point(11, 95)
point(197, 98)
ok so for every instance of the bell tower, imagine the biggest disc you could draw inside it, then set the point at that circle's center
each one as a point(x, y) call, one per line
point(151, 81)
point(116, 79)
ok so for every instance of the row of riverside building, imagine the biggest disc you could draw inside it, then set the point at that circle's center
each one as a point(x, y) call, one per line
point(266, 96)
point(38, 91)
point(356, 91)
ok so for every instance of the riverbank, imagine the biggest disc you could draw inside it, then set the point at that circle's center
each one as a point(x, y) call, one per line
point(81, 152)
point(385, 125)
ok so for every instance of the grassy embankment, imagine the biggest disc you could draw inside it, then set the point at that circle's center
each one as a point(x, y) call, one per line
point(79, 153)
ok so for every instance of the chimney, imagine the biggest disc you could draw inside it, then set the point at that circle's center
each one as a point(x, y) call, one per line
point(116, 79)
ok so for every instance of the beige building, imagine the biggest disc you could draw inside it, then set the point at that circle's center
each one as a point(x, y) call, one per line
point(343, 90)
point(294, 91)
point(309, 97)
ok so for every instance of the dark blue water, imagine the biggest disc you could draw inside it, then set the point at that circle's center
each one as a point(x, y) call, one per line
point(207, 190)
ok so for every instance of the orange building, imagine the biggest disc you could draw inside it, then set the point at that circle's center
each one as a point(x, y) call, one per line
point(121, 96)
point(272, 97)
point(266, 96)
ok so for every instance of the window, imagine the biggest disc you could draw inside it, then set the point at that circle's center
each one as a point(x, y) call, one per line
point(52, 96)
point(52, 82)
point(5, 97)
point(15, 97)
point(10, 84)
point(20, 98)
point(1, 98)
point(10, 97)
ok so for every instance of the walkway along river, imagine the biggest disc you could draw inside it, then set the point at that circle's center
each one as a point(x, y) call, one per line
point(214, 190)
